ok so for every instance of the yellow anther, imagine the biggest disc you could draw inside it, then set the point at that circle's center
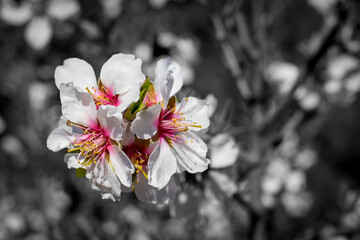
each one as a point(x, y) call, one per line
point(185, 141)
point(187, 99)
point(191, 141)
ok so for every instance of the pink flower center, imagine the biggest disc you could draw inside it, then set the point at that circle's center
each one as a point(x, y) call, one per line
point(104, 96)
point(139, 156)
point(92, 144)
point(172, 124)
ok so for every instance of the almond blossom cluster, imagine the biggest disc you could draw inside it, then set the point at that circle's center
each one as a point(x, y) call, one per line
point(125, 132)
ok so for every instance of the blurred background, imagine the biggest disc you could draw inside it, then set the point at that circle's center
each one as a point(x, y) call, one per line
point(281, 77)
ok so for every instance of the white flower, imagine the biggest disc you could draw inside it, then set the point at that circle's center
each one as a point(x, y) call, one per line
point(92, 138)
point(174, 125)
point(119, 83)
point(138, 151)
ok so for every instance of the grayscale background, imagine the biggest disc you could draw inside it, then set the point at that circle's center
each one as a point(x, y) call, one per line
point(282, 78)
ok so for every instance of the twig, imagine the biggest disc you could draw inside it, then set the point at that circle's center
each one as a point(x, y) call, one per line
point(287, 107)
point(230, 55)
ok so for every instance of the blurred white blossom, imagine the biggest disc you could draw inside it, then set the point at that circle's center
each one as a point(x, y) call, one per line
point(333, 86)
point(275, 176)
point(268, 200)
point(212, 102)
point(323, 6)
point(14, 222)
point(11, 145)
point(110, 227)
point(144, 51)
point(339, 66)
point(309, 100)
point(63, 9)
point(158, 4)
point(295, 181)
point(283, 75)
point(112, 8)
point(39, 94)
point(352, 84)
point(305, 159)
point(90, 29)
point(166, 39)
point(297, 204)
point(56, 201)
point(218, 225)
point(223, 182)
point(39, 31)
point(14, 14)
point(224, 151)
point(187, 49)
point(289, 145)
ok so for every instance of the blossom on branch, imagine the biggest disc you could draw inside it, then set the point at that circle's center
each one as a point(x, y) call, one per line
point(124, 132)
point(118, 85)
point(174, 126)
point(92, 138)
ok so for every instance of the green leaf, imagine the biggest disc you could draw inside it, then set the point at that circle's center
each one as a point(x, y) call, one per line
point(138, 106)
point(80, 172)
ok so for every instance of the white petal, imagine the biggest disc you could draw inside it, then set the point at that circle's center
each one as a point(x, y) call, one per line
point(128, 137)
point(110, 119)
point(149, 194)
point(127, 98)
point(97, 175)
point(38, 33)
point(196, 111)
point(63, 124)
point(115, 184)
point(63, 9)
point(102, 178)
point(122, 74)
point(145, 125)
point(122, 165)
point(168, 78)
point(15, 15)
point(223, 150)
point(78, 107)
point(162, 165)
point(192, 154)
point(59, 139)
point(71, 159)
point(77, 71)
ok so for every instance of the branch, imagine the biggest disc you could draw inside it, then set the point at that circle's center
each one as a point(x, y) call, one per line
point(289, 106)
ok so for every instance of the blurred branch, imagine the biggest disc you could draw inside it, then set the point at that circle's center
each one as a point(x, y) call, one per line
point(289, 106)
point(230, 55)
